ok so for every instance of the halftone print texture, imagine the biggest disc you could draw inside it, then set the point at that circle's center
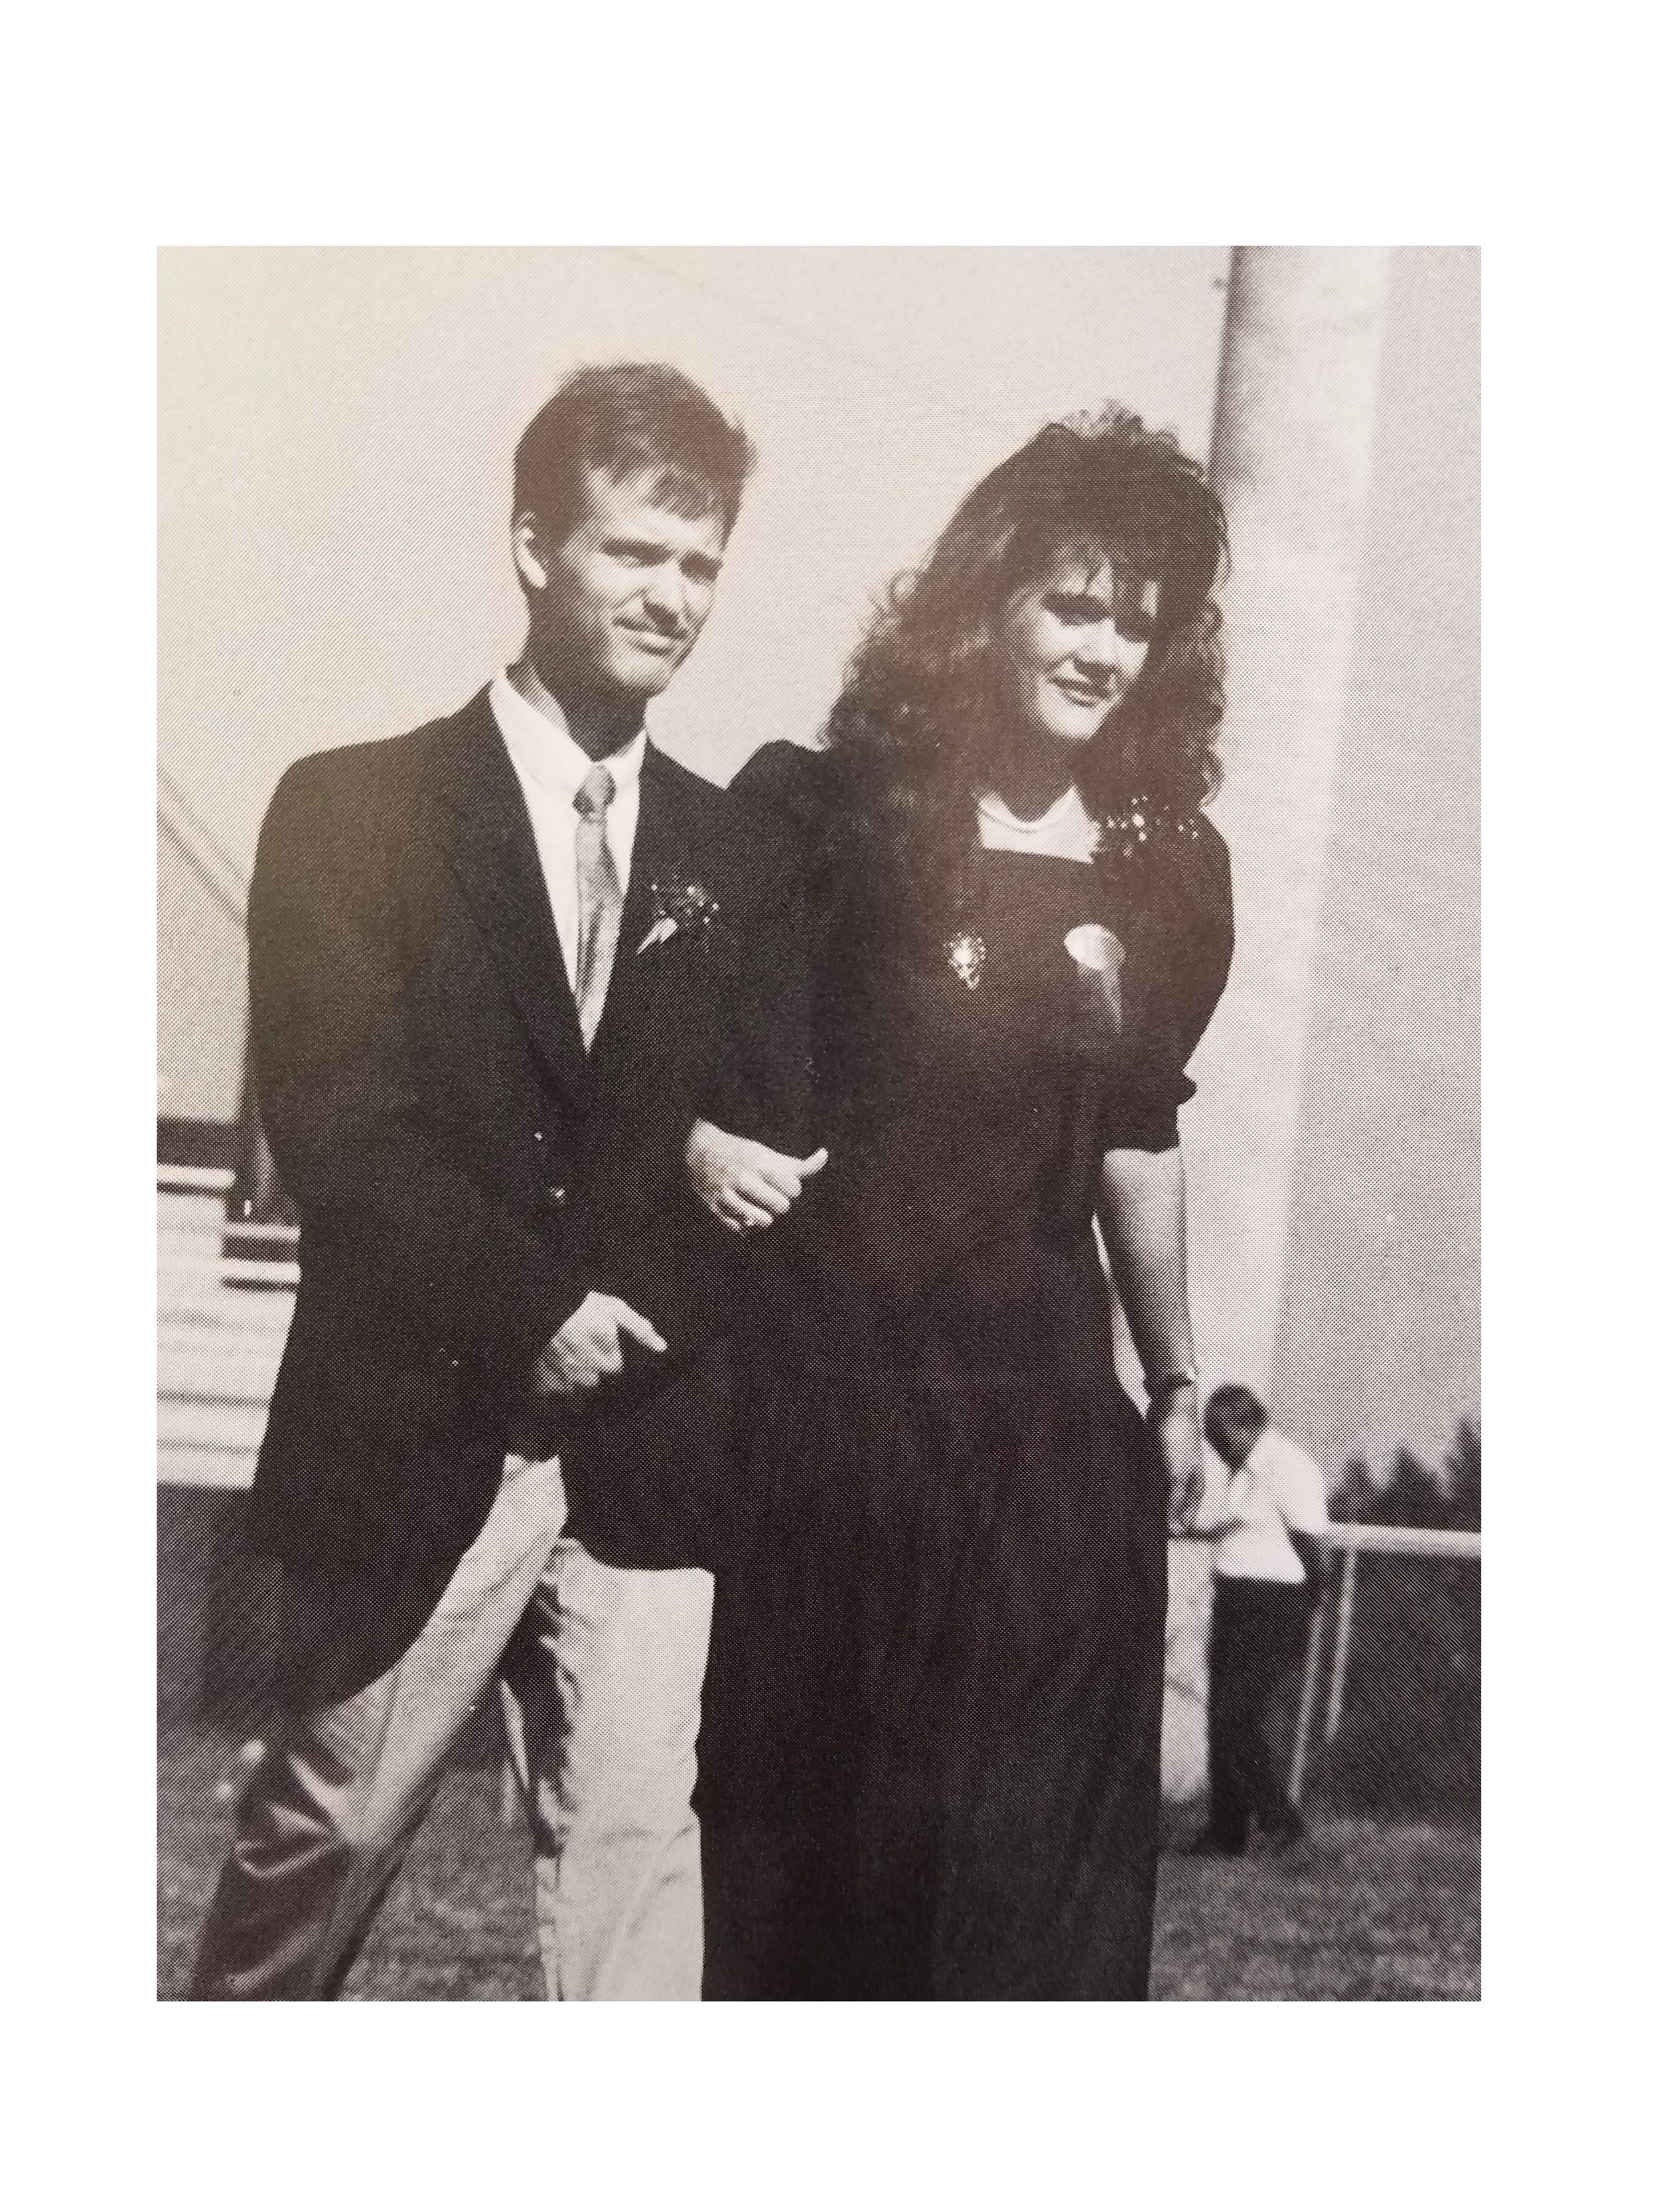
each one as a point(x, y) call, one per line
point(336, 433)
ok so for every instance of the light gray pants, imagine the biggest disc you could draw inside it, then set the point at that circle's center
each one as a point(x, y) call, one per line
point(601, 1671)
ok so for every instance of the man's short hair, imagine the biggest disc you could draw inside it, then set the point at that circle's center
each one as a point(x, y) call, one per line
point(1232, 1402)
point(631, 418)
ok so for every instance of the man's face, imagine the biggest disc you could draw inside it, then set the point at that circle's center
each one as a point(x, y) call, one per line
point(620, 601)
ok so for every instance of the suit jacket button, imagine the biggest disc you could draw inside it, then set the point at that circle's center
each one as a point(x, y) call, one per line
point(556, 1194)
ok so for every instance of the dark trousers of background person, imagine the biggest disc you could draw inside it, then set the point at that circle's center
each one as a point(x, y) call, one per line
point(1258, 1633)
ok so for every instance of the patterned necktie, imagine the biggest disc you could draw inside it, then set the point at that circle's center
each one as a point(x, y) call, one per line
point(600, 900)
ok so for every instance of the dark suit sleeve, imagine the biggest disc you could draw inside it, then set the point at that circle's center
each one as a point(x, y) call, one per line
point(443, 1268)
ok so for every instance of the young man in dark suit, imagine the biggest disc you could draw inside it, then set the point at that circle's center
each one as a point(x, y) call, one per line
point(499, 969)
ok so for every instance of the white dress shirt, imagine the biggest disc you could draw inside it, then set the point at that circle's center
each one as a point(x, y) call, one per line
point(551, 767)
point(1278, 1488)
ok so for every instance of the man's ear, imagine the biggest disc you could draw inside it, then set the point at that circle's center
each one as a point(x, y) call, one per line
point(527, 556)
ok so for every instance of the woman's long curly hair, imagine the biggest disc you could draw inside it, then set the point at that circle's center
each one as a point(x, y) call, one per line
point(923, 712)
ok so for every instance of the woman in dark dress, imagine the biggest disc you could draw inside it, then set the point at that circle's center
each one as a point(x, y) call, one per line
point(930, 1750)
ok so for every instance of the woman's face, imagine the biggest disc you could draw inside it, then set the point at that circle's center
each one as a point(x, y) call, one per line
point(1073, 645)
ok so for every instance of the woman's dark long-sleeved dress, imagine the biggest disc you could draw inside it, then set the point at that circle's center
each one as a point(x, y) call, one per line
point(930, 1749)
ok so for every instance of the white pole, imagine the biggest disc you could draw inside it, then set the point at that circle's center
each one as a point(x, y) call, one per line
point(1292, 461)
point(1344, 1639)
point(1306, 1701)
point(1290, 458)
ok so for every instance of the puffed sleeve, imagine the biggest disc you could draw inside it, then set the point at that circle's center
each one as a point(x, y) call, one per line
point(1184, 943)
point(763, 1088)
point(792, 782)
point(800, 789)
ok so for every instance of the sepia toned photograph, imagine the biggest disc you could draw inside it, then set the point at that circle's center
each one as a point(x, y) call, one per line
point(818, 1123)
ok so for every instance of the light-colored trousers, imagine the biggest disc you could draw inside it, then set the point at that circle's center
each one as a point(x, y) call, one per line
point(601, 1671)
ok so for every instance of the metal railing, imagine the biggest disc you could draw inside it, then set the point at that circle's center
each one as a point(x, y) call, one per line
point(1330, 1629)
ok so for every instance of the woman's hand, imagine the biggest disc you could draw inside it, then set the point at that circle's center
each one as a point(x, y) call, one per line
point(743, 1183)
point(1172, 1424)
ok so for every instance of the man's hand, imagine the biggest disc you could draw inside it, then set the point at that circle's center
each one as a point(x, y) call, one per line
point(1172, 1424)
point(745, 1184)
point(589, 1347)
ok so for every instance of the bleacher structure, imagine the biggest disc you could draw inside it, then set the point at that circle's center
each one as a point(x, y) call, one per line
point(225, 1296)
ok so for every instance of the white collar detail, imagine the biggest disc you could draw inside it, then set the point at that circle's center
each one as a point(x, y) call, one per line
point(542, 747)
point(1066, 832)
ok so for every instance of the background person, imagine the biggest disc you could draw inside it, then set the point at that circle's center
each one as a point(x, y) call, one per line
point(930, 1757)
point(1264, 1520)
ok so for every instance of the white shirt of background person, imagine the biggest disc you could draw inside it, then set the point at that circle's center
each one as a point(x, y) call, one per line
point(1251, 1509)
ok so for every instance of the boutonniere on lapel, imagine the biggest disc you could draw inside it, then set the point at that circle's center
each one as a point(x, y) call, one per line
point(679, 909)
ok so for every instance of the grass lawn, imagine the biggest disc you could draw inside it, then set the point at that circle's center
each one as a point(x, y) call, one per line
point(1362, 1911)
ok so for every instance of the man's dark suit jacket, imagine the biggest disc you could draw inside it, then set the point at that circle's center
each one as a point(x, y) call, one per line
point(465, 1172)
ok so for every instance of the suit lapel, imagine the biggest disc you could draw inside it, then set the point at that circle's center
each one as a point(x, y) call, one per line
point(660, 853)
point(484, 827)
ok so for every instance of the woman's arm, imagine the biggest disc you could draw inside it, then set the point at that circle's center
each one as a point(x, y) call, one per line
point(1143, 1217)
